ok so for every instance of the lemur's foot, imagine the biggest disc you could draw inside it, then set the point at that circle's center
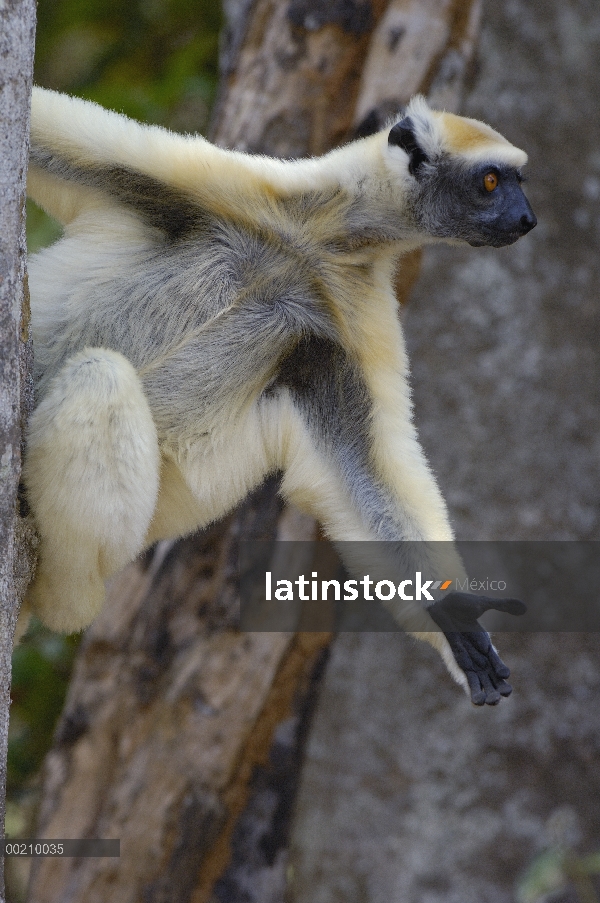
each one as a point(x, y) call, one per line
point(456, 614)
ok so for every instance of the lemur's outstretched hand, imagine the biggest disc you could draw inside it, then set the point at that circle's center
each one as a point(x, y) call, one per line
point(456, 614)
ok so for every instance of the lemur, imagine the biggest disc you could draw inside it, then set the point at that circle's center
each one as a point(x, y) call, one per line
point(210, 317)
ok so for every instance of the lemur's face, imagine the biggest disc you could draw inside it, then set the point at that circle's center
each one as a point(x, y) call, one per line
point(473, 196)
point(482, 204)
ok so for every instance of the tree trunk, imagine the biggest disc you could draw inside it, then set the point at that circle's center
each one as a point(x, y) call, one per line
point(17, 33)
point(181, 736)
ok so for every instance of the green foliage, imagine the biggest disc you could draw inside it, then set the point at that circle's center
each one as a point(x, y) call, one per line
point(42, 230)
point(557, 869)
point(554, 871)
point(155, 60)
point(41, 668)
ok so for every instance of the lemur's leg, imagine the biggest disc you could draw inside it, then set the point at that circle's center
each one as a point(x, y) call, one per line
point(91, 472)
point(212, 475)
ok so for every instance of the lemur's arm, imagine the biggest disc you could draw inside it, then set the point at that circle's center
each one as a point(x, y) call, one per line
point(334, 475)
point(84, 157)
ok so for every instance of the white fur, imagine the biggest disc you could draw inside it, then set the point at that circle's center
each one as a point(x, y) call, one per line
point(110, 467)
point(92, 480)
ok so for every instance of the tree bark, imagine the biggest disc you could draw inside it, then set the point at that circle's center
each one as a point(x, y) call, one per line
point(180, 735)
point(17, 34)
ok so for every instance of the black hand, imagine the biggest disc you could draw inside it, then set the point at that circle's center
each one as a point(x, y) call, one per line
point(456, 614)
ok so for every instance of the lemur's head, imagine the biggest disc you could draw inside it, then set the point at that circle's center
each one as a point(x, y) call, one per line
point(466, 178)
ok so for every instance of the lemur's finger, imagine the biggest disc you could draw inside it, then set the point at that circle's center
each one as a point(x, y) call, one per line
point(497, 664)
point(510, 606)
point(492, 695)
point(477, 646)
point(478, 694)
point(503, 687)
point(461, 651)
point(466, 607)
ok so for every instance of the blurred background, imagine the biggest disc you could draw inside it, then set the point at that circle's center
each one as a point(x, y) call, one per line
point(406, 793)
point(156, 61)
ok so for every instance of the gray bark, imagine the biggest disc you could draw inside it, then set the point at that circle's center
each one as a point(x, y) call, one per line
point(17, 33)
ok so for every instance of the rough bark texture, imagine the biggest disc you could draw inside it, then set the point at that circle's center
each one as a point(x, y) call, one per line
point(164, 699)
point(181, 736)
point(409, 795)
point(17, 32)
point(296, 77)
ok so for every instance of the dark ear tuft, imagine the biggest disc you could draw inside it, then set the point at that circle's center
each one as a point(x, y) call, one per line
point(403, 135)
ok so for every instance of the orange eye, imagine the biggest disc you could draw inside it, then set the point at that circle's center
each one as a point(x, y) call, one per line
point(490, 181)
